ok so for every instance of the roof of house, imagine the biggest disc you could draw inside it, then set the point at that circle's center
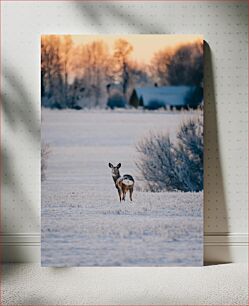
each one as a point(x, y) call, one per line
point(167, 95)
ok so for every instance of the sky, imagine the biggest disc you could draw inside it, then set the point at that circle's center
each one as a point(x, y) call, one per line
point(144, 46)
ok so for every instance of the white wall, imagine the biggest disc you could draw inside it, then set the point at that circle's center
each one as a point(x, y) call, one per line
point(224, 26)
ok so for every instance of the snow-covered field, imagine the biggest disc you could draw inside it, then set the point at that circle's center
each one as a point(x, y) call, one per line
point(83, 222)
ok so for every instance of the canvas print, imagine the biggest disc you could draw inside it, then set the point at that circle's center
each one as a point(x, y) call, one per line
point(122, 150)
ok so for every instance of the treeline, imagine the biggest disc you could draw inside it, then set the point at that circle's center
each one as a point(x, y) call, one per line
point(89, 75)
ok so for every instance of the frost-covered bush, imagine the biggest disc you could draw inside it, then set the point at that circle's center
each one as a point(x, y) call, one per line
point(165, 165)
point(45, 151)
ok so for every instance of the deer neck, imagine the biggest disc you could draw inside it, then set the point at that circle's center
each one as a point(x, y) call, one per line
point(116, 177)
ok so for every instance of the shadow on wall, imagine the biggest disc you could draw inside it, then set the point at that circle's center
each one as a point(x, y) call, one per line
point(20, 114)
point(214, 194)
point(119, 15)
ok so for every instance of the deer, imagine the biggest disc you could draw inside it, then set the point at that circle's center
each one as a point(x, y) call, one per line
point(123, 183)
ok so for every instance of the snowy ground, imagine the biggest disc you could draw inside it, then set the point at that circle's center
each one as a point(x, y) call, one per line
point(83, 223)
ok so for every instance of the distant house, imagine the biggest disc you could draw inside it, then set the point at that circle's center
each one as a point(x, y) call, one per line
point(167, 97)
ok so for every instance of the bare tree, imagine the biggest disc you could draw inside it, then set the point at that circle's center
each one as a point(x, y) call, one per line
point(138, 76)
point(186, 66)
point(180, 66)
point(51, 68)
point(94, 60)
point(122, 52)
point(159, 66)
point(66, 53)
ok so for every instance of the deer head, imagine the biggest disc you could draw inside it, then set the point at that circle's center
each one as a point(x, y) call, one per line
point(115, 170)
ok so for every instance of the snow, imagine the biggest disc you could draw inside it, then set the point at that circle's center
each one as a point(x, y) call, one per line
point(83, 222)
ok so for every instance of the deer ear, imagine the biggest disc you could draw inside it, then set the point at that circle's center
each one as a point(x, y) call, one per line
point(119, 165)
point(110, 165)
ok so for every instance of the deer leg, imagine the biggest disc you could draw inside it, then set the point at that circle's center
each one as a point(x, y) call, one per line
point(119, 193)
point(131, 191)
point(124, 193)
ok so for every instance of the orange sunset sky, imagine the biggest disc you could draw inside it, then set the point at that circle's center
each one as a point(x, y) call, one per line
point(144, 46)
